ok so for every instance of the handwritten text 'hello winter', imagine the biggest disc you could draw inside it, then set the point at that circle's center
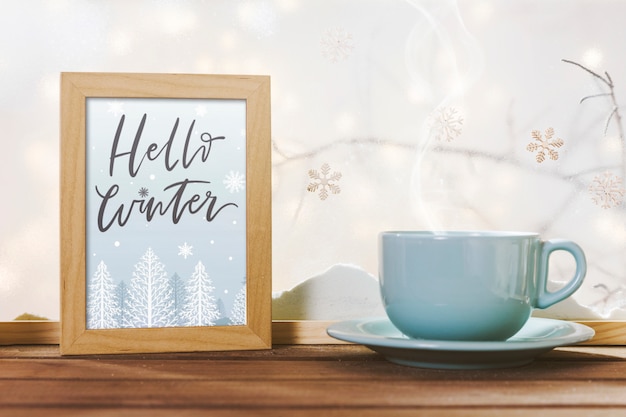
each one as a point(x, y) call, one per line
point(182, 199)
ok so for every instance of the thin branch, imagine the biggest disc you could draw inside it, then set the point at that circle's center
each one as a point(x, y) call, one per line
point(608, 120)
point(615, 114)
point(607, 80)
point(593, 96)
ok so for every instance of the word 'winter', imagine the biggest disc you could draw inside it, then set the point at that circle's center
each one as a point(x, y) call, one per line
point(179, 203)
point(153, 150)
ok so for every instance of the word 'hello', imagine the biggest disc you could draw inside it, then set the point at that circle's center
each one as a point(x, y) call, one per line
point(153, 151)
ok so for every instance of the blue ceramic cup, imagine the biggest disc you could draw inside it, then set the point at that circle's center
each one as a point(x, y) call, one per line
point(468, 285)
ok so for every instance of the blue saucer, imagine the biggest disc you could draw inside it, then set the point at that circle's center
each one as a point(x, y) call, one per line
point(538, 336)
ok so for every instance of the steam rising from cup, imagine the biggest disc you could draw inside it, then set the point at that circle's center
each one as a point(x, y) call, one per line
point(443, 60)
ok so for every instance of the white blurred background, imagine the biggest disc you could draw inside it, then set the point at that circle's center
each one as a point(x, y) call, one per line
point(418, 112)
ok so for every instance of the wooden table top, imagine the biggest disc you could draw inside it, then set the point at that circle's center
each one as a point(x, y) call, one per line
point(307, 380)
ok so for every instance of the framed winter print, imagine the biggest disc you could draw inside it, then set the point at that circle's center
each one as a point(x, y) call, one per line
point(165, 213)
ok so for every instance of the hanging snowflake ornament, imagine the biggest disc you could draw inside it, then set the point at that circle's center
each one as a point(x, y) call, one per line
point(446, 124)
point(235, 182)
point(322, 181)
point(545, 145)
point(336, 44)
point(606, 190)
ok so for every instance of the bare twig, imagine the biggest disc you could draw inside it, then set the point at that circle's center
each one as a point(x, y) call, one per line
point(594, 95)
point(608, 119)
point(614, 114)
point(606, 80)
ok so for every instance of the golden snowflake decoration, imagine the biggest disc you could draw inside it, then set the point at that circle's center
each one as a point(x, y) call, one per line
point(545, 145)
point(336, 44)
point(446, 124)
point(324, 181)
point(607, 190)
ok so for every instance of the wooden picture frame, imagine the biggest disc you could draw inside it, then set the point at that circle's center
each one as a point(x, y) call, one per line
point(103, 183)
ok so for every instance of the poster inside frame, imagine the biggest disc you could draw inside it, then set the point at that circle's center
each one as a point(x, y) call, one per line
point(165, 213)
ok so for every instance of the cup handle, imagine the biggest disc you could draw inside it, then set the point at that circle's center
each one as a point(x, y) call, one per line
point(546, 298)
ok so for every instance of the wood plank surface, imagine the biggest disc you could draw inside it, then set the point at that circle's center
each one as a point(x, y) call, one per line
point(608, 332)
point(307, 380)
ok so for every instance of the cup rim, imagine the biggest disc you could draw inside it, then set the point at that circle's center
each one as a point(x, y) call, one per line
point(457, 234)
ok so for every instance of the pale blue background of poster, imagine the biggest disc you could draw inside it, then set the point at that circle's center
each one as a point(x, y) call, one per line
point(219, 244)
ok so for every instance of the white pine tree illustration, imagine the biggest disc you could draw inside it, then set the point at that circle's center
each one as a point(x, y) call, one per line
point(102, 306)
point(200, 306)
point(238, 313)
point(150, 295)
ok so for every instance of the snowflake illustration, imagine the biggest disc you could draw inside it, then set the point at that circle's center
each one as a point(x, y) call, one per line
point(446, 123)
point(544, 144)
point(201, 110)
point(185, 250)
point(116, 107)
point(336, 44)
point(323, 182)
point(143, 192)
point(235, 182)
point(606, 190)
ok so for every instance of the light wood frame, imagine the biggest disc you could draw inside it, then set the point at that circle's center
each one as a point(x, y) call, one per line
point(75, 338)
